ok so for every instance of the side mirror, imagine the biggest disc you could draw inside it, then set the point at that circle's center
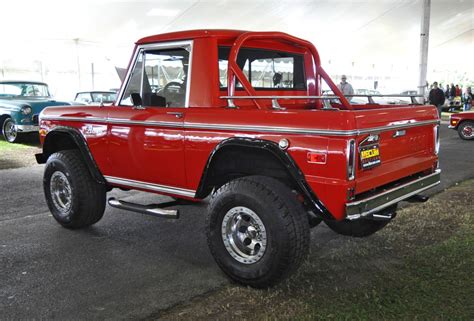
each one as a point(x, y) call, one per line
point(137, 101)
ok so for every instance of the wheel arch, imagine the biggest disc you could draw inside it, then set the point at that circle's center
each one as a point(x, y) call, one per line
point(238, 156)
point(64, 138)
point(3, 117)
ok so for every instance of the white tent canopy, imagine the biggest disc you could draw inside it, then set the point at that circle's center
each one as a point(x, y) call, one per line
point(368, 40)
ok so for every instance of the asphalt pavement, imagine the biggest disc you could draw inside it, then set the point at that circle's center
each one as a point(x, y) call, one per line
point(127, 266)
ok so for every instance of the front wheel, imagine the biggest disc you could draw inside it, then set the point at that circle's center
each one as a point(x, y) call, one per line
point(74, 198)
point(9, 131)
point(258, 232)
point(466, 130)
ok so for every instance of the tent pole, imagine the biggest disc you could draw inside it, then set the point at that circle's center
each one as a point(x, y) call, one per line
point(424, 39)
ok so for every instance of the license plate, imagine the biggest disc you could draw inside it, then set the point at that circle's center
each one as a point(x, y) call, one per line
point(369, 156)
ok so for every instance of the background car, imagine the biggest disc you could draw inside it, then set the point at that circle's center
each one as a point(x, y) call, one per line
point(20, 104)
point(464, 124)
point(95, 97)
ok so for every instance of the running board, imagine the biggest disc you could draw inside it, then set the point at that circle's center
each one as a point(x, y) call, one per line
point(152, 209)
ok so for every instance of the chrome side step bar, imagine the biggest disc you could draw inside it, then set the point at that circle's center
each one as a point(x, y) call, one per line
point(156, 210)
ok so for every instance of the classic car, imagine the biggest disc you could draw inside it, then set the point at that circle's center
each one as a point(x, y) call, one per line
point(95, 97)
point(464, 124)
point(272, 171)
point(20, 104)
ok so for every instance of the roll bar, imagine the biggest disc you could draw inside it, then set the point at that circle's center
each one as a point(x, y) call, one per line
point(235, 72)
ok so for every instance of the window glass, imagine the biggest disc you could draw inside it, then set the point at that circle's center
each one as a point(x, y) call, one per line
point(164, 81)
point(103, 97)
point(84, 97)
point(24, 89)
point(134, 83)
point(266, 69)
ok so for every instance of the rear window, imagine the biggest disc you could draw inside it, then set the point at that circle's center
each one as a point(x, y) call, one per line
point(265, 69)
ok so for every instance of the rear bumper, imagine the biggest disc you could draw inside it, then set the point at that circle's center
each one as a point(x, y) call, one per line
point(375, 203)
point(452, 127)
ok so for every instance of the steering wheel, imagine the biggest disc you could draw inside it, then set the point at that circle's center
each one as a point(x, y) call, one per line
point(171, 87)
point(174, 93)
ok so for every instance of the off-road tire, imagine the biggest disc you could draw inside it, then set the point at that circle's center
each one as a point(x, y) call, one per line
point(462, 130)
point(285, 222)
point(87, 196)
point(360, 227)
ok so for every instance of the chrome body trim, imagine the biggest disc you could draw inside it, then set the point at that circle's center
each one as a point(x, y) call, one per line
point(26, 128)
point(378, 202)
point(350, 162)
point(249, 128)
point(279, 97)
point(150, 186)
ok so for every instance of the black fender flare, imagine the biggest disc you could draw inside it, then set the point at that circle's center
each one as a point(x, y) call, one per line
point(79, 141)
point(281, 155)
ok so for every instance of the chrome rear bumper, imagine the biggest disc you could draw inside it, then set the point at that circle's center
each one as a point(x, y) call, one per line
point(375, 203)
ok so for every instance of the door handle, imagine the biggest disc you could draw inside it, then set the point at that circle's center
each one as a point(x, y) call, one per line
point(177, 114)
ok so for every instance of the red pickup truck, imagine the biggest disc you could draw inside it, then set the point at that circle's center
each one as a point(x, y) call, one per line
point(240, 117)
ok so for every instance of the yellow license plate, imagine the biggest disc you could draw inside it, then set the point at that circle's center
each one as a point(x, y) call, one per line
point(370, 153)
point(369, 156)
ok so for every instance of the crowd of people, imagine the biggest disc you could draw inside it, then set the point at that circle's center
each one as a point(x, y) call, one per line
point(438, 97)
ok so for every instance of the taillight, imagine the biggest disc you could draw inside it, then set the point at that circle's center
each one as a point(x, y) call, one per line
point(350, 152)
point(436, 139)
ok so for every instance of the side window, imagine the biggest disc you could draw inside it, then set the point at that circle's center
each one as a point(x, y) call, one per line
point(164, 81)
point(266, 69)
point(134, 83)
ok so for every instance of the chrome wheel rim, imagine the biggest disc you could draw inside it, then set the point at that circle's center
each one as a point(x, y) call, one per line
point(60, 189)
point(9, 131)
point(467, 131)
point(244, 235)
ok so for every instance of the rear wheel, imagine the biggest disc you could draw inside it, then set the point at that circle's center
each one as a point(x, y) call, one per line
point(9, 131)
point(466, 130)
point(361, 227)
point(74, 198)
point(258, 232)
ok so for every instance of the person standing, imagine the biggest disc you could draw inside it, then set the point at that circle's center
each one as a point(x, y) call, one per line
point(458, 91)
point(446, 92)
point(346, 88)
point(467, 99)
point(452, 92)
point(436, 97)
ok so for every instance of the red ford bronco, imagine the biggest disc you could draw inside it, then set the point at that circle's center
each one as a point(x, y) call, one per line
point(240, 117)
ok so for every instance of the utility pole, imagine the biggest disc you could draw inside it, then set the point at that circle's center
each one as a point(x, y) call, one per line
point(424, 39)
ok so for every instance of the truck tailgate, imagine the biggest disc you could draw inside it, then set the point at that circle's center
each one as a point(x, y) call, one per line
point(393, 143)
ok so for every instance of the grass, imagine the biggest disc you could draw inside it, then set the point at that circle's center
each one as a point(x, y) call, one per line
point(418, 268)
point(19, 154)
point(5, 146)
point(434, 284)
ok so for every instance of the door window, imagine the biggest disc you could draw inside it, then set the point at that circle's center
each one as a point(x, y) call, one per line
point(160, 77)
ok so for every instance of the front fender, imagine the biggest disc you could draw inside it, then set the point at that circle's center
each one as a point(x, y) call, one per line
point(63, 138)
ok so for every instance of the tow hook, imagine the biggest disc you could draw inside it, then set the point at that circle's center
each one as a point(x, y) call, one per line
point(417, 199)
